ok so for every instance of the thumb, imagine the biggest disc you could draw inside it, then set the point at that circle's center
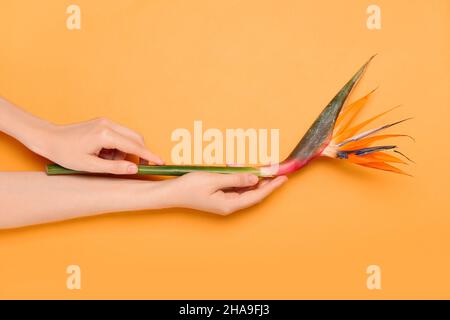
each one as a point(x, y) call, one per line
point(112, 166)
point(239, 180)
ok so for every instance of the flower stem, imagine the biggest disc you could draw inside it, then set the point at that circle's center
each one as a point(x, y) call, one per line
point(54, 169)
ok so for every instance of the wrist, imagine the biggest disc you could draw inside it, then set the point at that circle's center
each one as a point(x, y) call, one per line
point(148, 195)
point(32, 131)
point(168, 194)
point(38, 136)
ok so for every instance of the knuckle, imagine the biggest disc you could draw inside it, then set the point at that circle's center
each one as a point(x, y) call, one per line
point(103, 132)
point(226, 210)
point(140, 138)
point(191, 176)
point(199, 174)
point(102, 121)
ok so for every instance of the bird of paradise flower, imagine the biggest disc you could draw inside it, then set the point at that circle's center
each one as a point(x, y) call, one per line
point(333, 135)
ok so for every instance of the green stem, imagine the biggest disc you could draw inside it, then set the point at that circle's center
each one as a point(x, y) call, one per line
point(54, 169)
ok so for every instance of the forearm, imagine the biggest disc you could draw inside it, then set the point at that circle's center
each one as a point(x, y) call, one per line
point(28, 129)
point(28, 198)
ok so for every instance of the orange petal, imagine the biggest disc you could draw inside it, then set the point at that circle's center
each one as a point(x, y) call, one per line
point(353, 130)
point(350, 112)
point(383, 166)
point(385, 157)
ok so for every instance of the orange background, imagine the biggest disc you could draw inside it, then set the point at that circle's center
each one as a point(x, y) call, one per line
point(159, 65)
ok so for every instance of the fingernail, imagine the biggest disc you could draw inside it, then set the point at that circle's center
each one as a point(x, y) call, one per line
point(253, 179)
point(132, 169)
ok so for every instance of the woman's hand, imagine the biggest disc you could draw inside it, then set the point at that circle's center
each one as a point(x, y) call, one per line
point(98, 145)
point(81, 196)
point(101, 146)
point(219, 193)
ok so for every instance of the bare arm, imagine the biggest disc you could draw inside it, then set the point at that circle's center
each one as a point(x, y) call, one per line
point(32, 197)
point(28, 198)
point(100, 146)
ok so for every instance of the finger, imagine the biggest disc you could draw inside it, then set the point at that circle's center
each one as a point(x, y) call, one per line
point(114, 140)
point(99, 165)
point(127, 132)
point(255, 196)
point(238, 180)
point(263, 182)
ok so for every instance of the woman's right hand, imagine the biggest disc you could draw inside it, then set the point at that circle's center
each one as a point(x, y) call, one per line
point(98, 145)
